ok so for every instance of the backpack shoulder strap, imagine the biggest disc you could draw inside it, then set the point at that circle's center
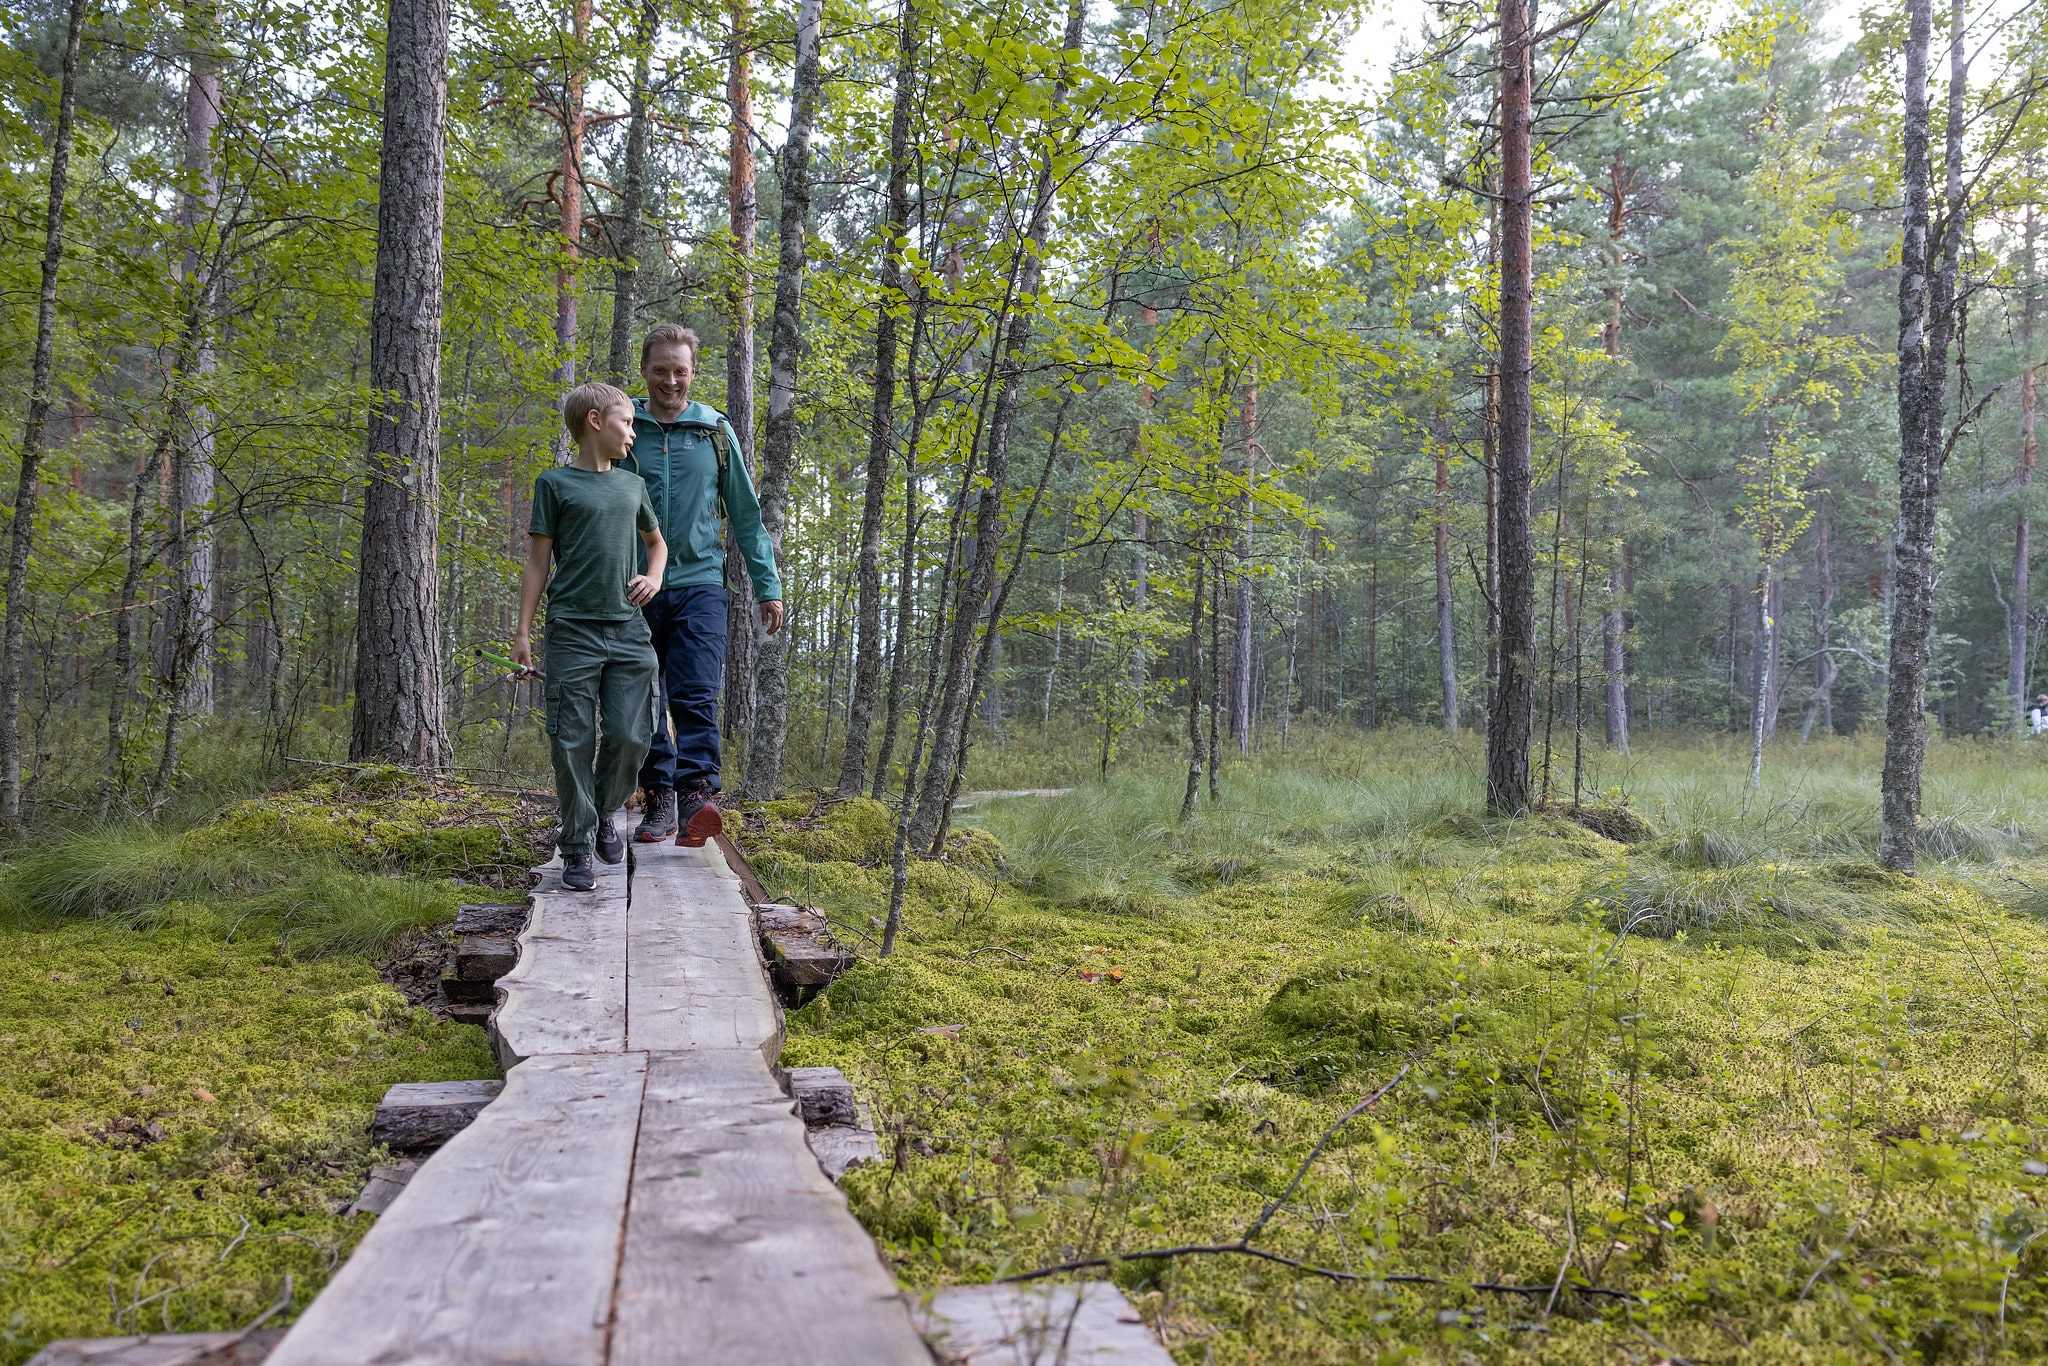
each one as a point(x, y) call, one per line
point(721, 450)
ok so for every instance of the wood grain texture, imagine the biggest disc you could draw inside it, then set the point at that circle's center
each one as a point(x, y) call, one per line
point(567, 994)
point(1024, 1325)
point(736, 1244)
point(696, 978)
point(162, 1349)
point(503, 1248)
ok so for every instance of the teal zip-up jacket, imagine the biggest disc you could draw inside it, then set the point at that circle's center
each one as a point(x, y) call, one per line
point(680, 466)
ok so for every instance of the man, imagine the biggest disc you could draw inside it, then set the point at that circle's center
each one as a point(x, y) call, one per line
point(695, 471)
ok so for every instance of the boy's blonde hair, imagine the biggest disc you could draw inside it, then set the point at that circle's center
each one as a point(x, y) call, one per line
point(586, 399)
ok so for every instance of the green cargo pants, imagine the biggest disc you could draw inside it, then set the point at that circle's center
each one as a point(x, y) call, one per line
point(601, 694)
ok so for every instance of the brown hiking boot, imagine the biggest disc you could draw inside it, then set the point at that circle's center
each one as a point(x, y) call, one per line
point(701, 819)
point(659, 820)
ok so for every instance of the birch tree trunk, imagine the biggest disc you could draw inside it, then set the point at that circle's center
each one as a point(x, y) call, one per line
point(632, 205)
point(741, 633)
point(398, 703)
point(1241, 616)
point(1821, 707)
point(1446, 645)
point(853, 766)
point(934, 799)
point(1614, 663)
point(1929, 255)
point(191, 633)
point(2022, 551)
point(28, 488)
point(1514, 700)
point(1187, 801)
point(770, 728)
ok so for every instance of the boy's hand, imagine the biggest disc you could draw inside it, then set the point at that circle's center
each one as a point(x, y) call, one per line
point(522, 655)
point(640, 590)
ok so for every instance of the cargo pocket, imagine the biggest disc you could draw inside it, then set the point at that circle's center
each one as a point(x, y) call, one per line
point(551, 695)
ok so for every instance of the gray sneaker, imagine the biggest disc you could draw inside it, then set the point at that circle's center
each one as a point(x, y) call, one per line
point(659, 822)
point(610, 847)
point(577, 874)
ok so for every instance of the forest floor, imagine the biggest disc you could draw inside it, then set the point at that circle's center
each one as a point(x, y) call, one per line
point(1699, 1082)
point(1686, 1078)
point(194, 1032)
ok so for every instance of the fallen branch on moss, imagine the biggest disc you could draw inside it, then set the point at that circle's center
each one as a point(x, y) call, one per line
point(1243, 1246)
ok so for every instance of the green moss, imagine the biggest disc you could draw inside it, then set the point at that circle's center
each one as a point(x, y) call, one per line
point(865, 829)
point(160, 1087)
point(1704, 1106)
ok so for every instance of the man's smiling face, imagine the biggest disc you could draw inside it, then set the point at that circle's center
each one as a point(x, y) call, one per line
point(669, 369)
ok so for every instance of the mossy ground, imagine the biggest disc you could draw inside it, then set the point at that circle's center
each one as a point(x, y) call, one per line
point(193, 1036)
point(1796, 1110)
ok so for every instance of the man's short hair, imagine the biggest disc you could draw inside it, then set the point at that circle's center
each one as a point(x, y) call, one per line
point(667, 334)
point(586, 399)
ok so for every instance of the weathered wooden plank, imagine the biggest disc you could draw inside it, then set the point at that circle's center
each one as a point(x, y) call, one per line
point(840, 1148)
point(417, 1115)
point(162, 1349)
point(736, 1244)
point(1019, 1325)
point(503, 1248)
point(457, 991)
point(823, 1096)
point(797, 942)
point(491, 918)
point(696, 979)
point(568, 992)
point(387, 1179)
point(485, 957)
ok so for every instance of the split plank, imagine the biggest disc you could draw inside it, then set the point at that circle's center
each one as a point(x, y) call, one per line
point(736, 1243)
point(695, 974)
point(567, 994)
point(503, 1248)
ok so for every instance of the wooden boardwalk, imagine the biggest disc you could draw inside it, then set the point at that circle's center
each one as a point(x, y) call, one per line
point(642, 1190)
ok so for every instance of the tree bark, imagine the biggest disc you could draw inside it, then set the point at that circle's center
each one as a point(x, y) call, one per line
point(28, 489)
point(1821, 706)
point(1187, 801)
point(1614, 663)
point(853, 765)
point(126, 657)
point(1514, 701)
point(191, 626)
point(398, 703)
point(1241, 617)
point(770, 729)
point(1446, 644)
point(741, 632)
point(632, 204)
point(975, 589)
point(2022, 551)
point(571, 175)
point(1929, 256)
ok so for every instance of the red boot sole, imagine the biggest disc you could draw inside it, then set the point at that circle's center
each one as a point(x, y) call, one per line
point(707, 824)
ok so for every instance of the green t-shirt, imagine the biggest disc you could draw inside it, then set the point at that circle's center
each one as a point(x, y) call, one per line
point(595, 521)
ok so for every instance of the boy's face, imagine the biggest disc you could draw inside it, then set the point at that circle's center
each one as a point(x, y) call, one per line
point(611, 432)
point(669, 369)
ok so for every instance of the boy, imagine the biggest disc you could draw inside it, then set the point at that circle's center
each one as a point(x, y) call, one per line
point(696, 475)
point(599, 656)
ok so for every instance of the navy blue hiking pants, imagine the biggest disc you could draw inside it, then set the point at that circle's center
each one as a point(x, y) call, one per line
point(688, 626)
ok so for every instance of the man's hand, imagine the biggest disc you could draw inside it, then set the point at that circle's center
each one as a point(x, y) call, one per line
point(641, 589)
point(771, 616)
point(522, 655)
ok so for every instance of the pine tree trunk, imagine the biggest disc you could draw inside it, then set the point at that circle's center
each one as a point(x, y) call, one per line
point(398, 703)
point(741, 634)
point(1446, 644)
point(1514, 702)
point(934, 800)
point(632, 204)
point(1929, 256)
point(570, 188)
point(28, 488)
point(770, 729)
point(853, 765)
